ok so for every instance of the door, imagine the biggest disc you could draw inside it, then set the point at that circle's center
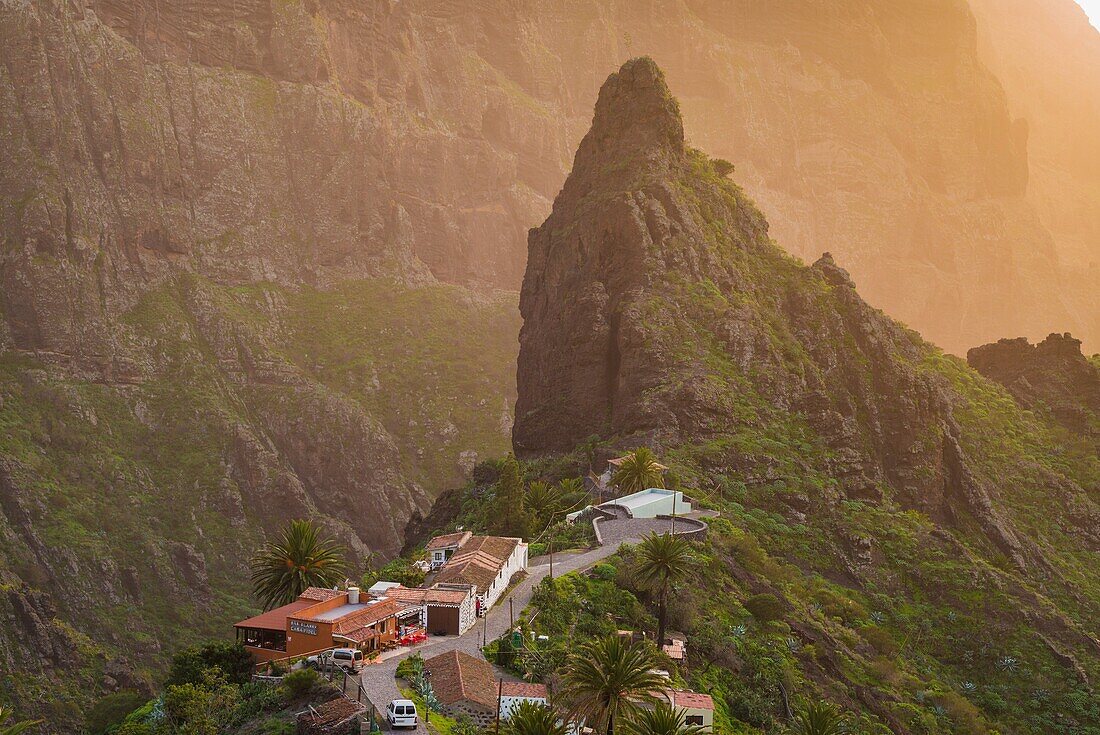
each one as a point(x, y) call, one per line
point(442, 620)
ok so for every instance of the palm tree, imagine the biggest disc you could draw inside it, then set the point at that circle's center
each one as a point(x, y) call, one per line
point(543, 500)
point(301, 558)
point(15, 728)
point(572, 492)
point(661, 720)
point(820, 718)
point(534, 719)
point(638, 471)
point(609, 678)
point(662, 560)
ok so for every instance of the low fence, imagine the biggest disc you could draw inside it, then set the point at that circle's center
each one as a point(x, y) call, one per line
point(689, 528)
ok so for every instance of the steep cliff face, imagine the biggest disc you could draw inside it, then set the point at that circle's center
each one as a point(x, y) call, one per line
point(1047, 56)
point(1052, 376)
point(657, 310)
point(285, 141)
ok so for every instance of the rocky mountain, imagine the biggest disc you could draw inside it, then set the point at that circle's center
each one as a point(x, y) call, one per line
point(250, 255)
point(837, 443)
point(1050, 377)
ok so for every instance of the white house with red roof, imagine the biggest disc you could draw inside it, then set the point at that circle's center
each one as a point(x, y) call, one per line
point(515, 693)
point(698, 708)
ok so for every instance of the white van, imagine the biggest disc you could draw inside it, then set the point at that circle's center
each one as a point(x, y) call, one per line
point(401, 713)
point(348, 659)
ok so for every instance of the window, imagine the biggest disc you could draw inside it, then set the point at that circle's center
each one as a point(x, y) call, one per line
point(694, 720)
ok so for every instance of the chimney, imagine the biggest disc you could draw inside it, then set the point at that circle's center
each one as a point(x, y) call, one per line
point(353, 595)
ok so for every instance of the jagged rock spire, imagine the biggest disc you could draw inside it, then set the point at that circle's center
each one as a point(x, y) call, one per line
point(635, 109)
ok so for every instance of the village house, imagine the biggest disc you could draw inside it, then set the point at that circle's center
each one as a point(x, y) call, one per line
point(698, 709)
point(321, 619)
point(487, 563)
point(445, 609)
point(515, 693)
point(464, 685)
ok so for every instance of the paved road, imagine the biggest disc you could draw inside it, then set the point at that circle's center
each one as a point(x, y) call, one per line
point(378, 679)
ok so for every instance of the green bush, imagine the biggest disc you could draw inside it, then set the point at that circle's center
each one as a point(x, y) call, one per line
point(189, 665)
point(766, 608)
point(604, 571)
point(410, 667)
point(275, 726)
point(299, 683)
point(112, 709)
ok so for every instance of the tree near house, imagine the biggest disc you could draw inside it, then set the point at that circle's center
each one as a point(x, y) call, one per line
point(509, 516)
point(16, 727)
point(530, 718)
point(301, 558)
point(660, 720)
point(663, 559)
point(608, 679)
point(820, 718)
point(639, 471)
point(544, 501)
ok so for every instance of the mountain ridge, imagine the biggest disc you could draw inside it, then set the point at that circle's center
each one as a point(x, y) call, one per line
point(657, 311)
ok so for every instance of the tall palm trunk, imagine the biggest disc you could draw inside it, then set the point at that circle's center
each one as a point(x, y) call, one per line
point(662, 615)
point(610, 723)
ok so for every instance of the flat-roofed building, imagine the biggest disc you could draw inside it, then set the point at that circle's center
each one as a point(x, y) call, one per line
point(321, 619)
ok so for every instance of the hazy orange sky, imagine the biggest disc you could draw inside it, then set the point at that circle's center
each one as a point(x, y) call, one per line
point(1092, 7)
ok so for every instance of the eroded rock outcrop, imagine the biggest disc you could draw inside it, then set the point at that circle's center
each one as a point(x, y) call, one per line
point(656, 308)
point(1052, 375)
point(658, 311)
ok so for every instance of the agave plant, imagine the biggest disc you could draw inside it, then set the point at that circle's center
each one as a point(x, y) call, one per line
point(878, 617)
point(1008, 663)
point(793, 645)
point(969, 687)
point(738, 630)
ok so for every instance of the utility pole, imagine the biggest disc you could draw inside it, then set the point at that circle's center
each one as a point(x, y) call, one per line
point(551, 557)
point(500, 693)
point(511, 613)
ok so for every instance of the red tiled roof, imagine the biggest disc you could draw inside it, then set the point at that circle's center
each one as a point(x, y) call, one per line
point(369, 615)
point(276, 619)
point(319, 594)
point(358, 636)
point(523, 689)
point(479, 562)
point(431, 595)
point(458, 676)
point(689, 700)
point(448, 540)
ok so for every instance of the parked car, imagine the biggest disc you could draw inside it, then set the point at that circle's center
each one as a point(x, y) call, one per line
point(401, 713)
point(348, 659)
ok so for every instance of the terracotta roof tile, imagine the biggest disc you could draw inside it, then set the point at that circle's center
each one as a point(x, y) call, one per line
point(479, 562)
point(319, 594)
point(448, 540)
point(369, 615)
point(688, 699)
point(458, 676)
point(523, 689)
